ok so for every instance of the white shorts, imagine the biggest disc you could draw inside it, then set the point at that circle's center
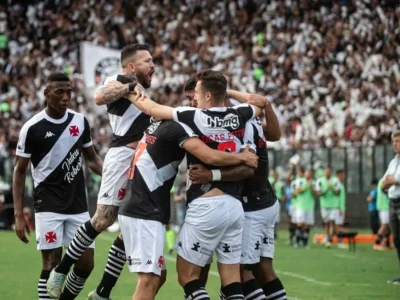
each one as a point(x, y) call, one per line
point(212, 224)
point(329, 214)
point(258, 233)
point(340, 218)
point(278, 219)
point(305, 216)
point(144, 244)
point(384, 216)
point(114, 179)
point(292, 213)
point(55, 230)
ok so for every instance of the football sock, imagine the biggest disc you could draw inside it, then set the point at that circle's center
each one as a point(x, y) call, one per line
point(194, 291)
point(252, 291)
point(42, 292)
point(274, 290)
point(233, 291)
point(74, 285)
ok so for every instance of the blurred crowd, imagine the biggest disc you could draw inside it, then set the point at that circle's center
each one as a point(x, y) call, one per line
point(330, 68)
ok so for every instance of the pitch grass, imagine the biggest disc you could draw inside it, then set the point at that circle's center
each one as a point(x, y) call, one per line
point(313, 274)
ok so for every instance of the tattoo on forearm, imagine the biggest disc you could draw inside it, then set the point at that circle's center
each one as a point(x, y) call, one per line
point(113, 93)
point(105, 216)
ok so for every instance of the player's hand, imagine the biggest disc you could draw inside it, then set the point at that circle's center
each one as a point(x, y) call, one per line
point(258, 100)
point(21, 226)
point(249, 158)
point(199, 174)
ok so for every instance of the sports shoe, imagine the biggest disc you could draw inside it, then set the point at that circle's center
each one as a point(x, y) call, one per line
point(328, 244)
point(379, 247)
point(55, 284)
point(388, 247)
point(394, 281)
point(94, 296)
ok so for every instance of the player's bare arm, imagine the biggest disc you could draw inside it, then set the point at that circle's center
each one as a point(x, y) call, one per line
point(258, 101)
point(199, 174)
point(93, 160)
point(272, 132)
point(111, 92)
point(21, 226)
point(148, 106)
point(388, 182)
point(219, 158)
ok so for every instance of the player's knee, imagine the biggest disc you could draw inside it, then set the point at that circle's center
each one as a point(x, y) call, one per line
point(246, 273)
point(50, 263)
point(163, 279)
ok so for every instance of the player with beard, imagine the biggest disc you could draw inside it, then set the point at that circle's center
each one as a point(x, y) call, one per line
point(128, 125)
point(53, 142)
point(261, 209)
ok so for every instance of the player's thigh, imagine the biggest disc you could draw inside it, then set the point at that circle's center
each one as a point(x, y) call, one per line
point(49, 230)
point(144, 244)
point(252, 236)
point(114, 179)
point(147, 284)
point(230, 246)
point(205, 222)
point(268, 246)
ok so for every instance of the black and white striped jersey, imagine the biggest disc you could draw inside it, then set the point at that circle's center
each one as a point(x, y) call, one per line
point(221, 128)
point(154, 167)
point(258, 192)
point(127, 122)
point(54, 147)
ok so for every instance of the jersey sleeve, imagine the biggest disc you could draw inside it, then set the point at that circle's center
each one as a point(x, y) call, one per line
point(87, 138)
point(249, 137)
point(179, 133)
point(184, 114)
point(25, 144)
point(246, 111)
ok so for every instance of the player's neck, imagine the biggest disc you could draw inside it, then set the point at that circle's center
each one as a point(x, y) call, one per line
point(53, 114)
point(131, 76)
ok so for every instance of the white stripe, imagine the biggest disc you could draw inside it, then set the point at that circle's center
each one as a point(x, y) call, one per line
point(305, 278)
point(78, 244)
point(110, 257)
point(59, 152)
point(113, 274)
point(153, 176)
point(253, 293)
point(42, 290)
point(201, 297)
point(42, 280)
point(282, 298)
point(261, 297)
point(115, 247)
point(72, 253)
point(121, 124)
point(87, 145)
point(275, 294)
point(112, 268)
point(72, 288)
point(80, 230)
point(77, 248)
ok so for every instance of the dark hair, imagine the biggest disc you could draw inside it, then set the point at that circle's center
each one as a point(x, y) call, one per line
point(213, 82)
point(130, 50)
point(340, 171)
point(190, 84)
point(374, 181)
point(57, 77)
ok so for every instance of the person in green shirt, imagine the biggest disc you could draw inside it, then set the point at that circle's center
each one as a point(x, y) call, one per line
point(328, 188)
point(382, 205)
point(341, 175)
point(279, 190)
point(305, 190)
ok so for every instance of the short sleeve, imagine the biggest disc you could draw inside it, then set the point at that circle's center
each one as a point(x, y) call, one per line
point(184, 114)
point(249, 136)
point(178, 133)
point(246, 111)
point(25, 144)
point(87, 138)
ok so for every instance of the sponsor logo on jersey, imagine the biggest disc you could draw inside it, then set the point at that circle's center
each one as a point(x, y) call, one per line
point(226, 248)
point(153, 127)
point(49, 134)
point(134, 261)
point(149, 262)
point(196, 247)
point(70, 166)
point(230, 120)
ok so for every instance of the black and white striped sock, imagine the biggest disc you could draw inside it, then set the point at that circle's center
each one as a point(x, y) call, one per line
point(252, 291)
point(42, 292)
point(194, 291)
point(274, 290)
point(233, 291)
point(115, 264)
point(83, 238)
point(74, 285)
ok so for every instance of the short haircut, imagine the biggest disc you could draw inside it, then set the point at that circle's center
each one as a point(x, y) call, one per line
point(395, 133)
point(129, 51)
point(213, 82)
point(340, 171)
point(300, 168)
point(54, 77)
point(374, 181)
point(190, 84)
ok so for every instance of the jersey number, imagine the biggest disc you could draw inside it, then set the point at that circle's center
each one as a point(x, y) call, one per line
point(139, 151)
point(227, 146)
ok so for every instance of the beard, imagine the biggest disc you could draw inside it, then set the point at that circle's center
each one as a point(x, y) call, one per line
point(144, 80)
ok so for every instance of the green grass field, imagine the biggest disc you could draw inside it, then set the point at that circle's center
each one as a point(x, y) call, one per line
point(313, 274)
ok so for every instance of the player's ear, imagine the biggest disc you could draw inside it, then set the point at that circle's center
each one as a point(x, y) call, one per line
point(208, 96)
point(46, 92)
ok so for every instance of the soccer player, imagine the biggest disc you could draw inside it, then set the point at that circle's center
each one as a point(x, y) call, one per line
point(382, 205)
point(341, 175)
point(305, 207)
point(373, 212)
point(128, 125)
point(214, 220)
point(328, 188)
point(261, 209)
point(53, 141)
point(142, 217)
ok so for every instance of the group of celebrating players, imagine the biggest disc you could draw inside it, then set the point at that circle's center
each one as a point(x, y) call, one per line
point(231, 206)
